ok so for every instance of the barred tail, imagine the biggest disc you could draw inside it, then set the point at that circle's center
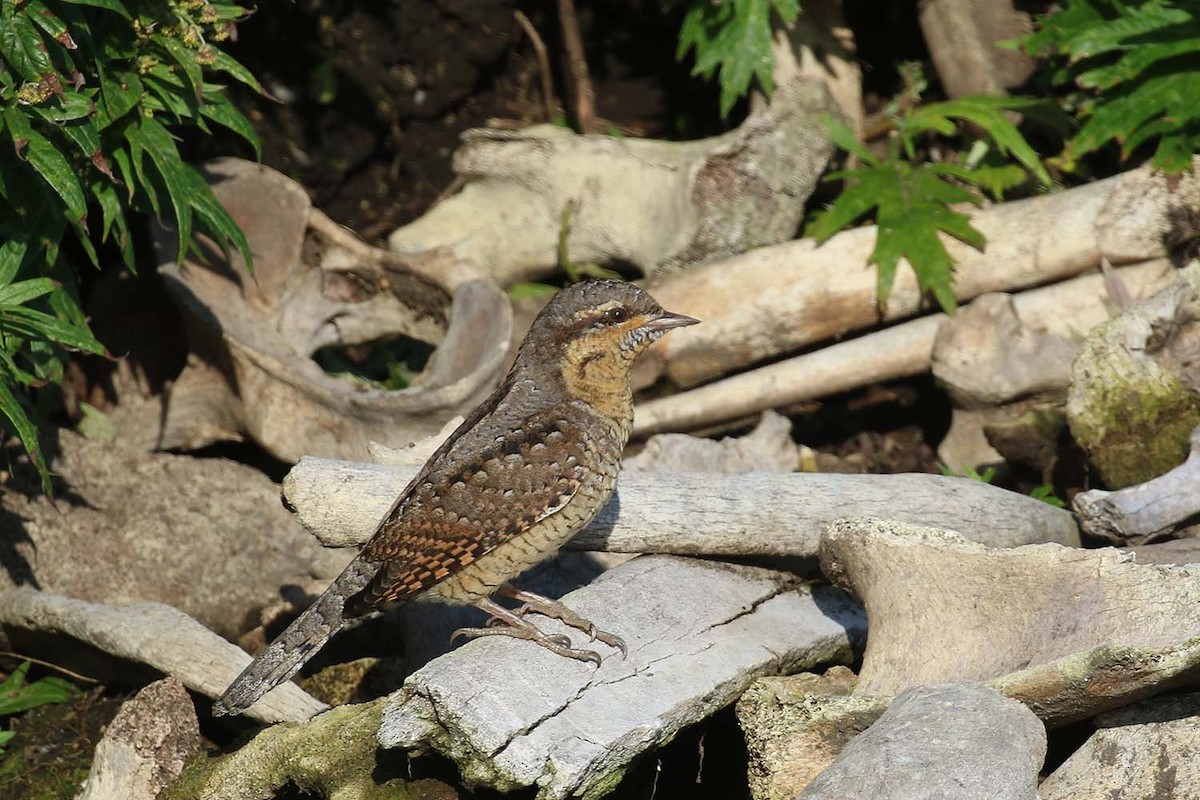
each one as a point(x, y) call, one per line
point(299, 642)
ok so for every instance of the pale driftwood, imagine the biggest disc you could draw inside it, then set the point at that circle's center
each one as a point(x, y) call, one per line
point(983, 613)
point(315, 285)
point(819, 45)
point(961, 36)
point(767, 448)
point(1135, 388)
point(960, 740)
point(657, 205)
point(900, 351)
point(698, 632)
point(1142, 752)
point(795, 726)
point(145, 746)
point(694, 513)
point(159, 636)
point(1148, 511)
point(776, 300)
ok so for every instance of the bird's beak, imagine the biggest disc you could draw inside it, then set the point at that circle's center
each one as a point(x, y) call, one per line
point(668, 321)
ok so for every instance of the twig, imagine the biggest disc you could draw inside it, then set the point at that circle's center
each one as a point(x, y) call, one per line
point(543, 59)
point(581, 82)
point(48, 665)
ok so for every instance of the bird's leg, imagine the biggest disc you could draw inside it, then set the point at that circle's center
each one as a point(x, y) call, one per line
point(537, 604)
point(511, 624)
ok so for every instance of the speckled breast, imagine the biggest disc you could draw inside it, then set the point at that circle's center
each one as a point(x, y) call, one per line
point(598, 463)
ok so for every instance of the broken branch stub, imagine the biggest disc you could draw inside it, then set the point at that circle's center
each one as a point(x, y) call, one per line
point(253, 334)
point(653, 204)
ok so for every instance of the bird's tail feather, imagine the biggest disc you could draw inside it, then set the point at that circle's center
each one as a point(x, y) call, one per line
point(300, 641)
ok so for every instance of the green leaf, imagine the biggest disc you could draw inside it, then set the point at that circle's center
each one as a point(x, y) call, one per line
point(121, 90)
point(733, 38)
point(57, 171)
point(912, 206)
point(45, 19)
point(16, 695)
point(111, 5)
point(12, 253)
point(21, 292)
point(26, 432)
point(185, 58)
point(216, 219)
point(161, 146)
point(224, 62)
point(40, 325)
point(987, 112)
point(21, 44)
point(222, 112)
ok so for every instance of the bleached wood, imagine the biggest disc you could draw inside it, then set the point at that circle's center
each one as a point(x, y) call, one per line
point(698, 632)
point(779, 299)
point(1068, 308)
point(757, 513)
point(157, 635)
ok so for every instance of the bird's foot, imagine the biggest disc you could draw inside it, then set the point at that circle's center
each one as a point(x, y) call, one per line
point(507, 623)
point(536, 604)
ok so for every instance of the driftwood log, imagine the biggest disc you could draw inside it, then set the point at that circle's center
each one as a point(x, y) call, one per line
point(161, 637)
point(698, 632)
point(1147, 511)
point(775, 300)
point(654, 204)
point(253, 335)
point(1067, 308)
point(1135, 387)
point(751, 514)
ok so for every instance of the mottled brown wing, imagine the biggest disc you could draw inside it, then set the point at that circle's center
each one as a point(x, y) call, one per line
point(470, 501)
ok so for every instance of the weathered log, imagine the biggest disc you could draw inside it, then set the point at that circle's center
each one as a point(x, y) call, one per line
point(698, 632)
point(657, 205)
point(1147, 511)
point(1135, 387)
point(146, 745)
point(962, 37)
point(315, 285)
point(159, 636)
point(980, 613)
point(960, 740)
point(777, 300)
point(688, 513)
point(900, 351)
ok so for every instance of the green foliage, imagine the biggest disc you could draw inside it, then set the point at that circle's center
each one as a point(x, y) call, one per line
point(88, 91)
point(17, 695)
point(911, 201)
point(1046, 495)
point(1137, 68)
point(969, 472)
point(732, 39)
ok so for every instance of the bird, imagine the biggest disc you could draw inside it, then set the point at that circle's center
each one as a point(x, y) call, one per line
point(527, 470)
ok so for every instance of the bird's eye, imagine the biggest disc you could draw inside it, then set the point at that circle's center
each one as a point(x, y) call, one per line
point(618, 314)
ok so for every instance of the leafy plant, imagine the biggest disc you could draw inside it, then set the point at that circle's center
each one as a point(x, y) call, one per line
point(88, 92)
point(911, 201)
point(969, 472)
point(1046, 494)
point(732, 39)
point(17, 695)
point(1137, 68)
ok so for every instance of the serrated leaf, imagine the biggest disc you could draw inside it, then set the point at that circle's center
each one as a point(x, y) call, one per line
point(49, 22)
point(216, 219)
point(41, 325)
point(844, 137)
point(184, 58)
point(50, 164)
point(120, 91)
point(16, 695)
point(224, 62)
point(988, 113)
point(12, 253)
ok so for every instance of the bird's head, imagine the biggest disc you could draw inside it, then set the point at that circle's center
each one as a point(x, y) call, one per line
point(595, 330)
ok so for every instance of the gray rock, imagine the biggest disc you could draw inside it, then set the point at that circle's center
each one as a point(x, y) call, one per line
point(146, 745)
point(957, 741)
point(1147, 751)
